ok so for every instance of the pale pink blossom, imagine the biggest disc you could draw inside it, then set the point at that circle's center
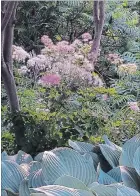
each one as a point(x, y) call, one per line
point(127, 68)
point(50, 79)
point(104, 97)
point(114, 58)
point(77, 43)
point(86, 37)
point(23, 70)
point(134, 106)
point(19, 54)
point(46, 40)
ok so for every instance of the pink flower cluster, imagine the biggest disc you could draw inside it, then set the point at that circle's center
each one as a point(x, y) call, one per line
point(114, 58)
point(134, 106)
point(50, 79)
point(46, 40)
point(19, 54)
point(86, 37)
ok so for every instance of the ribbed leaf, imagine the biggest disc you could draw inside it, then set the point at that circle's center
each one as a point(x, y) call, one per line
point(130, 177)
point(56, 190)
point(81, 146)
point(19, 158)
point(77, 165)
point(39, 157)
point(70, 182)
point(3, 193)
point(115, 173)
point(24, 188)
point(104, 178)
point(111, 144)
point(128, 151)
point(52, 167)
point(103, 190)
point(36, 179)
point(111, 155)
point(34, 166)
point(125, 191)
point(136, 161)
point(12, 175)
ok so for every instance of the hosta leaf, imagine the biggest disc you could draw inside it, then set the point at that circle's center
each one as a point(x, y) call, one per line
point(36, 179)
point(77, 165)
point(11, 170)
point(111, 144)
point(81, 146)
point(39, 157)
point(24, 188)
point(19, 158)
point(3, 193)
point(104, 178)
point(52, 167)
point(125, 191)
point(95, 159)
point(70, 182)
point(34, 166)
point(111, 155)
point(128, 151)
point(103, 190)
point(136, 161)
point(130, 177)
point(115, 173)
point(56, 190)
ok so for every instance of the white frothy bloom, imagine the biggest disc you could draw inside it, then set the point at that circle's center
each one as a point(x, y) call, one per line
point(134, 106)
point(19, 54)
point(127, 68)
point(23, 70)
point(39, 61)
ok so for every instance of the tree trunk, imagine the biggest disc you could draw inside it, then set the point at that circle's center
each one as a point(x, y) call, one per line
point(99, 16)
point(8, 17)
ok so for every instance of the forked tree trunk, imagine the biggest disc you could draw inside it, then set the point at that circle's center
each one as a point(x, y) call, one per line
point(99, 17)
point(8, 11)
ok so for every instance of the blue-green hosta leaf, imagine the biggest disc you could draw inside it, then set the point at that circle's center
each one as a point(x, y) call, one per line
point(52, 167)
point(115, 173)
point(19, 158)
point(36, 179)
point(77, 165)
point(104, 190)
point(39, 157)
point(24, 188)
point(111, 155)
point(125, 191)
point(3, 193)
point(128, 151)
point(11, 170)
point(94, 158)
point(4, 156)
point(111, 144)
point(80, 146)
point(34, 166)
point(70, 182)
point(25, 167)
point(130, 177)
point(104, 178)
point(56, 190)
point(136, 160)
